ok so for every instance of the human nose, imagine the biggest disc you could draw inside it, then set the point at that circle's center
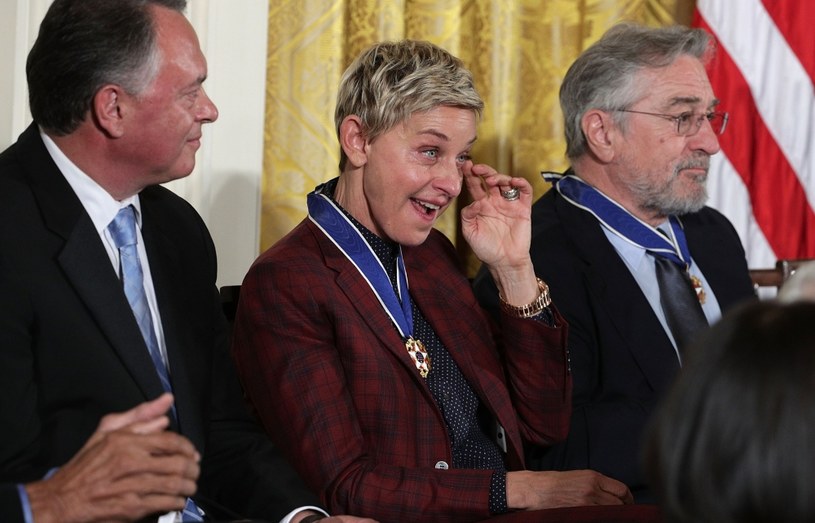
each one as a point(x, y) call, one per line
point(450, 177)
point(207, 111)
point(705, 139)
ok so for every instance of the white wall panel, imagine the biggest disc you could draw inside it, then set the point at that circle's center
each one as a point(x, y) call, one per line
point(225, 186)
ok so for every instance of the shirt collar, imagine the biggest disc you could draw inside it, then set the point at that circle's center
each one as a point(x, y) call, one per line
point(632, 253)
point(98, 203)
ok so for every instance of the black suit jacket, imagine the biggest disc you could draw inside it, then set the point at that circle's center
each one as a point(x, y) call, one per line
point(72, 352)
point(10, 509)
point(621, 358)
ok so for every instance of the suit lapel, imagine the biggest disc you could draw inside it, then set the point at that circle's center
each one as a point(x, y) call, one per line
point(83, 256)
point(618, 295)
point(167, 266)
point(359, 293)
point(85, 263)
point(433, 294)
point(164, 257)
point(729, 281)
point(441, 296)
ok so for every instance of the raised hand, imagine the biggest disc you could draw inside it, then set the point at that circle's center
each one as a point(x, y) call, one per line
point(499, 230)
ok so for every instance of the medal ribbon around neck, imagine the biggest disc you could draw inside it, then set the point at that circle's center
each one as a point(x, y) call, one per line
point(624, 224)
point(325, 214)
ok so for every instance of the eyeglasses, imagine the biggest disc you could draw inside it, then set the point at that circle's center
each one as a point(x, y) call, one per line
point(688, 124)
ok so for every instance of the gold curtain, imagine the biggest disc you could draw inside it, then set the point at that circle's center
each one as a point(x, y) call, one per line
point(518, 51)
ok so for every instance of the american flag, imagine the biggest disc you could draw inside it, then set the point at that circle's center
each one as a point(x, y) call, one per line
point(764, 74)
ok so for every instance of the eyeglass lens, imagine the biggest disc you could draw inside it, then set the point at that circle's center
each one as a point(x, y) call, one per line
point(688, 126)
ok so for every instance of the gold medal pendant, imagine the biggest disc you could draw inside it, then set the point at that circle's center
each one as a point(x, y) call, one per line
point(419, 355)
point(700, 291)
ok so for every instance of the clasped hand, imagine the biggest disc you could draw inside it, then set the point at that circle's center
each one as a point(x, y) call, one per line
point(129, 468)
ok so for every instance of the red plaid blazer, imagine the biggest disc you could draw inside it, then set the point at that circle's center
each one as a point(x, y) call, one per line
point(333, 385)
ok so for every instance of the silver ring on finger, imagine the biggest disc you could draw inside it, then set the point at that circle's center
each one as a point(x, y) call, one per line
point(511, 194)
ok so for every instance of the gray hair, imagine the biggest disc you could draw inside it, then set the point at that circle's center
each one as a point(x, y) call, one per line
point(85, 44)
point(604, 75)
point(390, 81)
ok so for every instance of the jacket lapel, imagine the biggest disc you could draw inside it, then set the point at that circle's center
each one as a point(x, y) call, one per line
point(728, 278)
point(441, 296)
point(86, 264)
point(618, 295)
point(359, 293)
point(83, 256)
point(165, 259)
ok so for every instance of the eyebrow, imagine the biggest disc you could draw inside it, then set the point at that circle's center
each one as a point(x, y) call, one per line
point(690, 100)
point(197, 82)
point(441, 135)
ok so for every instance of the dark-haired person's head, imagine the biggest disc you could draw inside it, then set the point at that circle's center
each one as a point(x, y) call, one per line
point(735, 438)
point(118, 86)
point(84, 44)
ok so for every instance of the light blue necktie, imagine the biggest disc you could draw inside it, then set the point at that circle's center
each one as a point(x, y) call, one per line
point(123, 231)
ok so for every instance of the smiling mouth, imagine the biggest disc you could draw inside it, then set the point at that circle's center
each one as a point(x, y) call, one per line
point(429, 208)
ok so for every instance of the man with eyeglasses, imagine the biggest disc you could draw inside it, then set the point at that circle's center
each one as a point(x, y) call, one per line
point(638, 264)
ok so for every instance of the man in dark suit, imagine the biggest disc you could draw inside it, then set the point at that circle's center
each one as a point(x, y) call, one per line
point(92, 322)
point(641, 126)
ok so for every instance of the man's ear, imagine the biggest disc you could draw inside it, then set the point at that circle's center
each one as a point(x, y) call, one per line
point(108, 109)
point(600, 132)
point(353, 141)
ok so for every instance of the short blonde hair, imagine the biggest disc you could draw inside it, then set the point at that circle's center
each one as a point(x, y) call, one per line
point(390, 81)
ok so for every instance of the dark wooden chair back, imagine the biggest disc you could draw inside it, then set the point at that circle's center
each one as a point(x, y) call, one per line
point(775, 277)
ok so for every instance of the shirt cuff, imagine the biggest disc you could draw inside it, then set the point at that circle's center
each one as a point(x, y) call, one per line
point(498, 493)
point(25, 503)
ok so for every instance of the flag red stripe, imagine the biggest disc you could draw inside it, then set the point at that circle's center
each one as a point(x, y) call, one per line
point(794, 20)
point(779, 201)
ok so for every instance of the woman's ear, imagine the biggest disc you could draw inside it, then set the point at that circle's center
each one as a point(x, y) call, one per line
point(108, 109)
point(353, 141)
point(600, 132)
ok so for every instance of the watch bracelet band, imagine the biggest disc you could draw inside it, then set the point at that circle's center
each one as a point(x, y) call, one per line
point(532, 309)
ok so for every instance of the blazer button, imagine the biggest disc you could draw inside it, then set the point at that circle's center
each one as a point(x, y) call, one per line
point(442, 465)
